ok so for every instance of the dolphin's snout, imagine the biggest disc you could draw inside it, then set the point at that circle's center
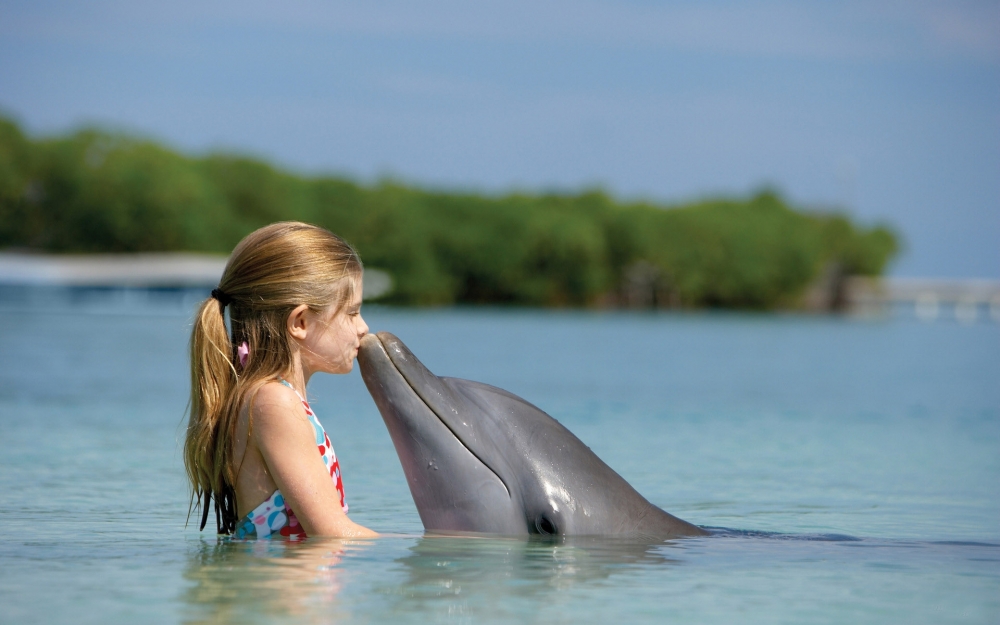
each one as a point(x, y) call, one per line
point(370, 343)
point(383, 348)
point(452, 487)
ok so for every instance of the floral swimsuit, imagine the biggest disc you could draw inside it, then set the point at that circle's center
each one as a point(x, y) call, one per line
point(274, 516)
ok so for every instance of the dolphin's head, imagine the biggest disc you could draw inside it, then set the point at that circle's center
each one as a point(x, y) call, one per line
point(480, 459)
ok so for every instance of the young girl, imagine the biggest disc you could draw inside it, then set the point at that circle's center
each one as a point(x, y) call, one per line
point(293, 292)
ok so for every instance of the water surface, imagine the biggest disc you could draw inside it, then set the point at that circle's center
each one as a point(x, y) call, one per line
point(853, 464)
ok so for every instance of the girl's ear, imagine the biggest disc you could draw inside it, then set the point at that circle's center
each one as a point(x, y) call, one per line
point(297, 322)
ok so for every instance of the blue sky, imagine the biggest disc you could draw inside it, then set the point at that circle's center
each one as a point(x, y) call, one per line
point(891, 109)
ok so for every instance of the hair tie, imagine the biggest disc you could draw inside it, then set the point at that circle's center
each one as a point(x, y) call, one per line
point(223, 299)
point(242, 354)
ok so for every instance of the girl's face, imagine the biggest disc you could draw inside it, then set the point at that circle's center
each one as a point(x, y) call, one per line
point(330, 343)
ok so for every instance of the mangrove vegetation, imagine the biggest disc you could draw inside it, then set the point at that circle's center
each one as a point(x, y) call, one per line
point(95, 191)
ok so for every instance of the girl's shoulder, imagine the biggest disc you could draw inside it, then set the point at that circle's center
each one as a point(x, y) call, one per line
point(273, 403)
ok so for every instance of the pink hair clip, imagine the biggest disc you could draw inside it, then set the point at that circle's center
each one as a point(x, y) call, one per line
point(242, 353)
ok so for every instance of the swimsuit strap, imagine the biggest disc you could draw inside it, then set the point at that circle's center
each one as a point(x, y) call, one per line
point(286, 383)
point(324, 445)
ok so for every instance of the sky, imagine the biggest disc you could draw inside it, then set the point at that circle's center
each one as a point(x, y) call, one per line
point(889, 110)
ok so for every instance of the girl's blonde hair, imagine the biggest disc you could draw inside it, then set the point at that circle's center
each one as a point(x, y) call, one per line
point(272, 271)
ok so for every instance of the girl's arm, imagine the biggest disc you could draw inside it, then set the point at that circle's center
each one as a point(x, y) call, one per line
point(287, 442)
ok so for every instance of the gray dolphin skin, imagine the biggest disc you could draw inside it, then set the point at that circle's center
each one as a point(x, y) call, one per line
point(480, 459)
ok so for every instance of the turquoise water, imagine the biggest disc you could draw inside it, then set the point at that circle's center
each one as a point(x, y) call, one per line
point(855, 465)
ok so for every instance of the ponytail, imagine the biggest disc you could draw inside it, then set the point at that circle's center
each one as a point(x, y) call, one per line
point(213, 379)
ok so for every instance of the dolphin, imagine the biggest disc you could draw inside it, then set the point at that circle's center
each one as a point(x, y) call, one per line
point(480, 459)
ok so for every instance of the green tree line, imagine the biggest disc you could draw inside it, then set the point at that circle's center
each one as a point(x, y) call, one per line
point(95, 191)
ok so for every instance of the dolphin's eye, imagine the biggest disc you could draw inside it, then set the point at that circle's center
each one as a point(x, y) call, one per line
point(545, 526)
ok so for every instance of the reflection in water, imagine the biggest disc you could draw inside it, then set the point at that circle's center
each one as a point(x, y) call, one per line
point(263, 581)
point(477, 578)
point(457, 578)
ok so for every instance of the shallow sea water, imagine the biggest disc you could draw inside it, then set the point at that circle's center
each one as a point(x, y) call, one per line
point(852, 468)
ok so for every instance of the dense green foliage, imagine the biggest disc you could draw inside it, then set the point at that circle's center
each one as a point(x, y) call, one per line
point(99, 192)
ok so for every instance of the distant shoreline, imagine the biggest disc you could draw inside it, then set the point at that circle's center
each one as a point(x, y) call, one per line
point(122, 270)
point(143, 270)
point(963, 299)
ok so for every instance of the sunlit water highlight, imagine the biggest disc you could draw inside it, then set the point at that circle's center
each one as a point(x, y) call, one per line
point(854, 464)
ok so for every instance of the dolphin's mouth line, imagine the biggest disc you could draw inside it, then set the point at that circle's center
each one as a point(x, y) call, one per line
point(442, 421)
